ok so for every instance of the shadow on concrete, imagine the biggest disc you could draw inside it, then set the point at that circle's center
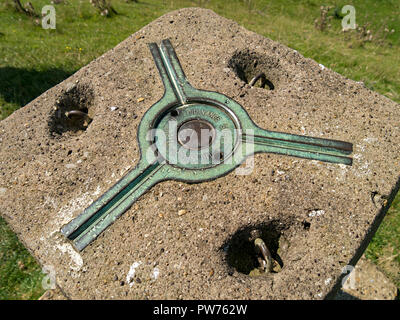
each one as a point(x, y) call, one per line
point(341, 295)
point(20, 86)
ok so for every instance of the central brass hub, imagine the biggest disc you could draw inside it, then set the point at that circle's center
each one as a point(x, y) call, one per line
point(196, 134)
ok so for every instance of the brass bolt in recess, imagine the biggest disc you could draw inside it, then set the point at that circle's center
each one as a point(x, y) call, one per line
point(75, 114)
point(267, 263)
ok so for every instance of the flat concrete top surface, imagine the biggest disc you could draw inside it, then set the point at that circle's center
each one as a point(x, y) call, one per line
point(191, 241)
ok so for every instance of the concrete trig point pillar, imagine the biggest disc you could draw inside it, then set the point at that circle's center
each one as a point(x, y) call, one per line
point(181, 240)
point(168, 153)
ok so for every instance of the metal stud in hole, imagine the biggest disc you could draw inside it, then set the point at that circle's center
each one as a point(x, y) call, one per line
point(77, 115)
point(266, 264)
point(264, 81)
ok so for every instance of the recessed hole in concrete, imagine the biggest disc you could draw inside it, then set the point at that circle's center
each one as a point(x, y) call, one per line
point(255, 69)
point(242, 253)
point(306, 225)
point(72, 112)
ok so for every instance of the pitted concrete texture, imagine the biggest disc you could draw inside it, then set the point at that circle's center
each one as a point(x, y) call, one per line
point(315, 217)
point(366, 282)
point(53, 294)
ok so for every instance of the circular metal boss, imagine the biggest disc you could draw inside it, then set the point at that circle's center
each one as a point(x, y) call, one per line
point(196, 136)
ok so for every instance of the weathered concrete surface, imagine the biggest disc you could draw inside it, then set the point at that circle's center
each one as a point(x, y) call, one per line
point(326, 213)
point(366, 282)
point(53, 294)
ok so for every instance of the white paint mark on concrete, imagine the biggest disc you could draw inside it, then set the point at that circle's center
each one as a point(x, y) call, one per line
point(66, 212)
point(77, 261)
point(322, 66)
point(362, 167)
point(316, 213)
point(131, 273)
point(97, 192)
point(370, 140)
point(342, 173)
point(156, 273)
point(362, 148)
point(48, 201)
point(328, 281)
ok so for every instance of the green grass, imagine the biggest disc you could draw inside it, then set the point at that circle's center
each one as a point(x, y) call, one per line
point(33, 60)
point(20, 275)
point(384, 249)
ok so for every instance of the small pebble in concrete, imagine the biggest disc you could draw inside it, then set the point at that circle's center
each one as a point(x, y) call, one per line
point(70, 86)
point(182, 212)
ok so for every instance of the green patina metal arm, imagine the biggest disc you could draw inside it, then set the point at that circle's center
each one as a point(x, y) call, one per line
point(165, 155)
